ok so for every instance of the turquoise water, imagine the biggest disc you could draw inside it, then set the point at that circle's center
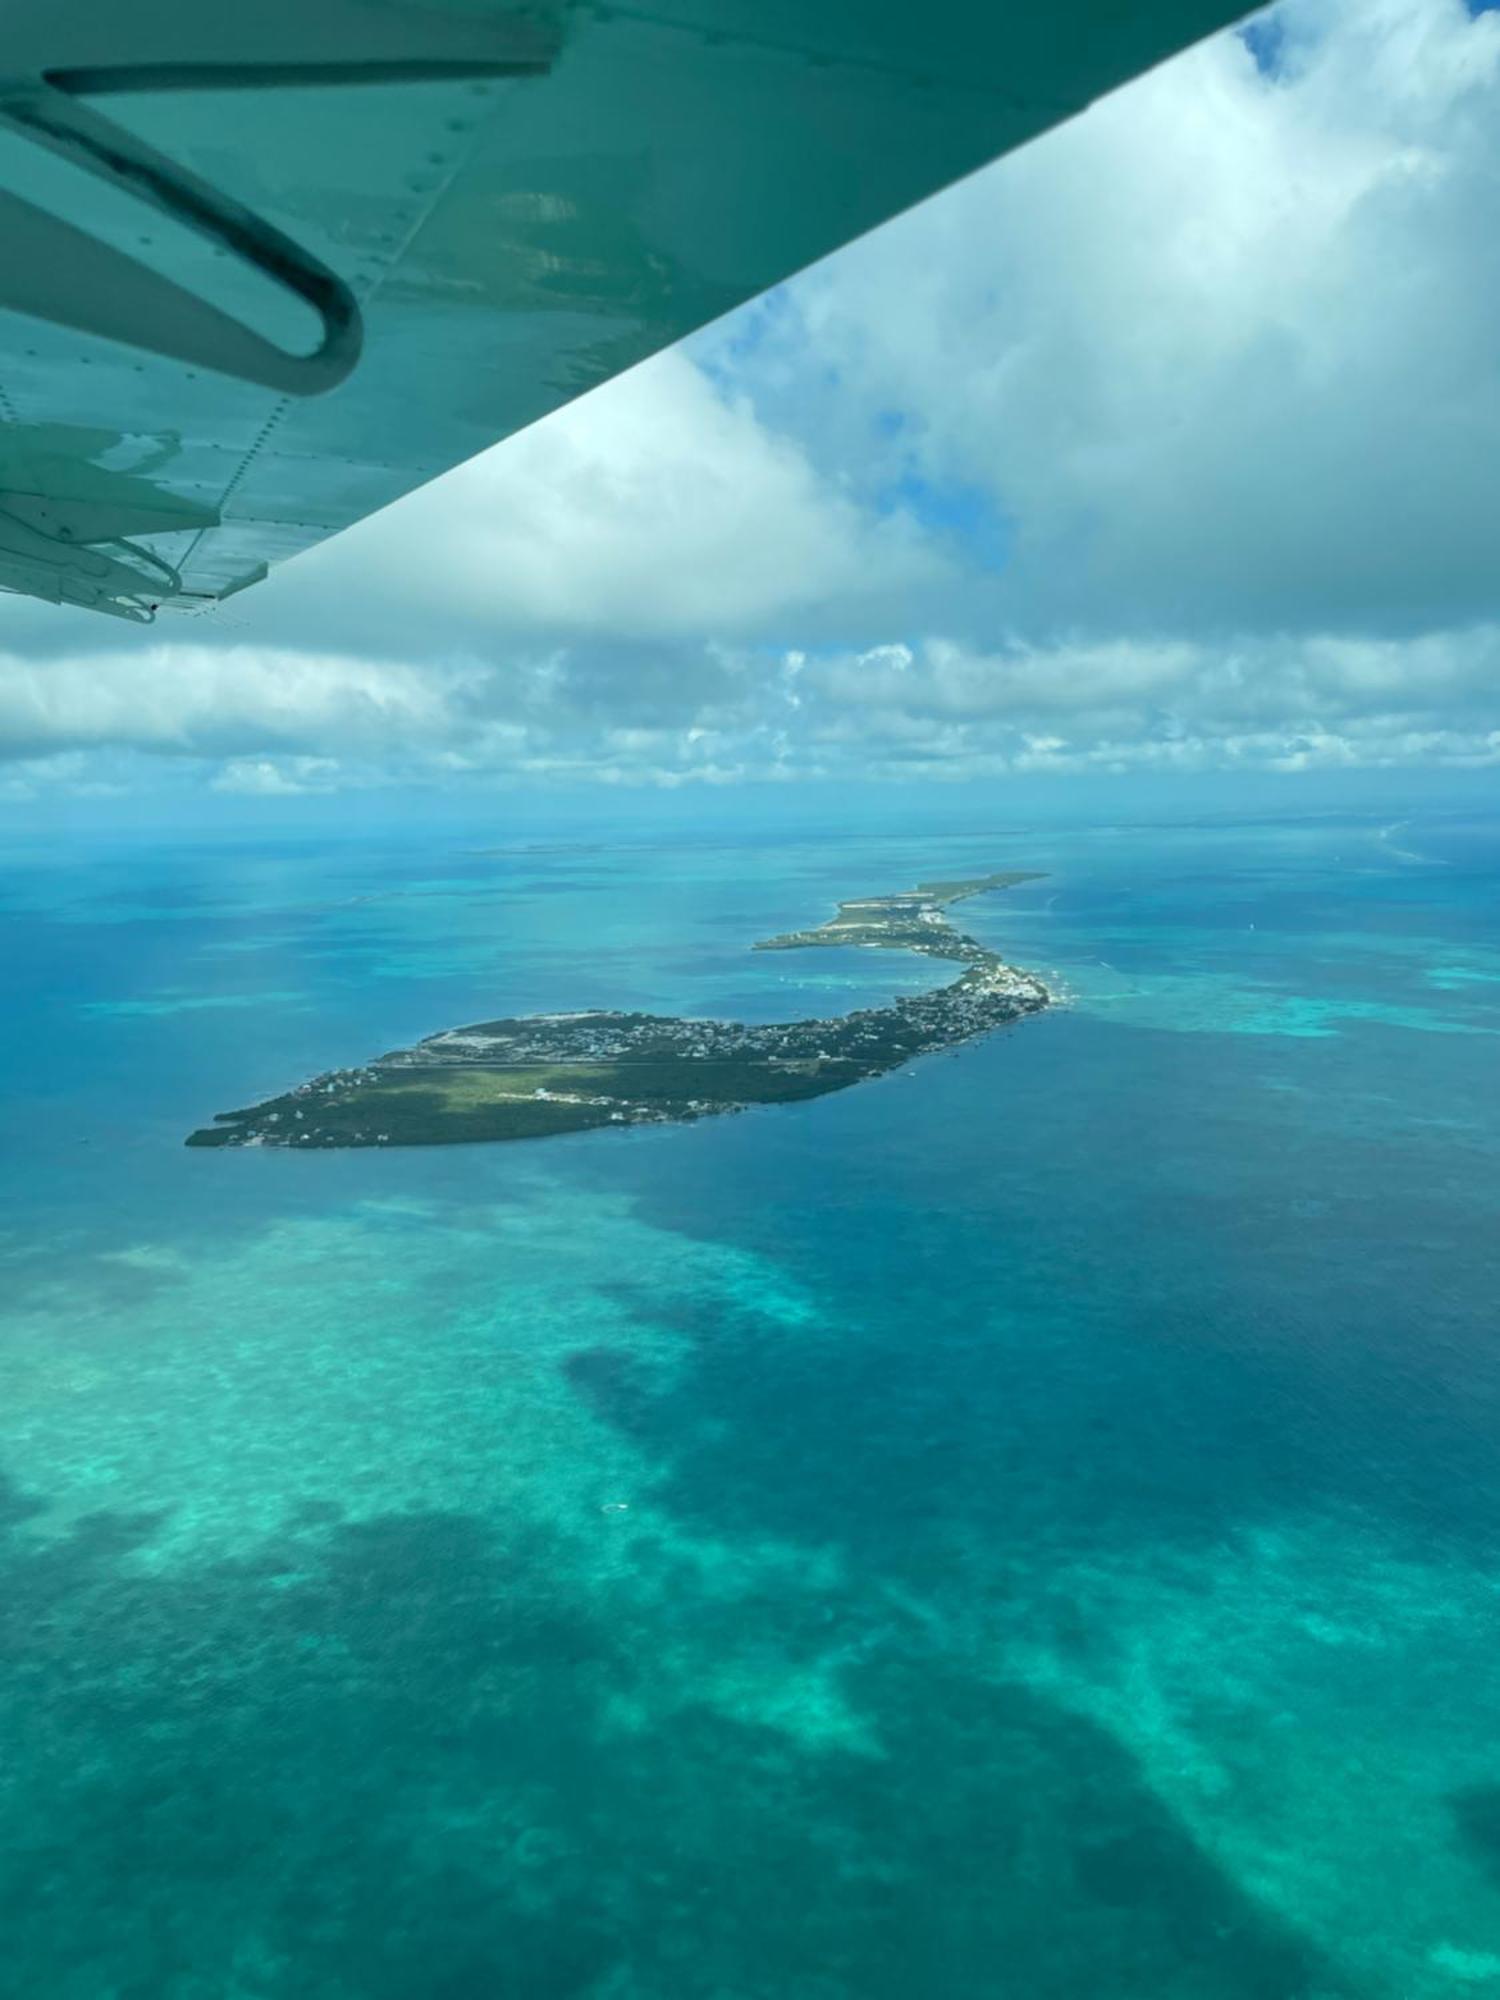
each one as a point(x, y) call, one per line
point(1026, 1526)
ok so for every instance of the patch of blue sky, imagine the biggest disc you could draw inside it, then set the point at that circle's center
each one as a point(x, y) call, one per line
point(723, 350)
point(963, 515)
point(1266, 39)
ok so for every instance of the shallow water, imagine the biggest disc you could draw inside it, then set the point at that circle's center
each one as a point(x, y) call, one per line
point(1026, 1525)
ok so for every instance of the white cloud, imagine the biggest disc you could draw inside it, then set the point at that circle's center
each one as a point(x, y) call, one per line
point(1283, 683)
point(655, 508)
point(274, 725)
point(265, 777)
point(1265, 704)
point(1224, 350)
point(198, 700)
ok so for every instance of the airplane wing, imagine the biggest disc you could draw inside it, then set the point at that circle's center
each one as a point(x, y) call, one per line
point(264, 269)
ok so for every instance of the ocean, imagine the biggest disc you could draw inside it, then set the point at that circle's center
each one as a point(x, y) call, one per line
point(1028, 1525)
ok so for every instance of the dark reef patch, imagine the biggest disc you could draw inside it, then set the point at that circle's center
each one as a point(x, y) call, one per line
point(1476, 1816)
point(385, 1761)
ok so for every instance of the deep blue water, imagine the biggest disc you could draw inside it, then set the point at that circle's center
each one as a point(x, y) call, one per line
point(1027, 1526)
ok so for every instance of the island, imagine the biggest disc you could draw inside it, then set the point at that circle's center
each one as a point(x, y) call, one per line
point(539, 1074)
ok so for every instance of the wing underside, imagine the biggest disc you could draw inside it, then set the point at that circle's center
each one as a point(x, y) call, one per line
point(260, 278)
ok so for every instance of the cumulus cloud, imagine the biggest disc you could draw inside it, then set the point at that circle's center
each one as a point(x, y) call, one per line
point(659, 507)
point(201, 700)
point(1320, 701)
point(273, 725)
point(265, 777)
point(1249, 681)
point(1224, 351)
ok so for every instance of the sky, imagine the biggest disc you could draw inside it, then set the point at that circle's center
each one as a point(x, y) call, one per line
point(1167, 449)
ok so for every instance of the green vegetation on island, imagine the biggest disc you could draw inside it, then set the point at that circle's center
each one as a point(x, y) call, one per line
point(531, 1076)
